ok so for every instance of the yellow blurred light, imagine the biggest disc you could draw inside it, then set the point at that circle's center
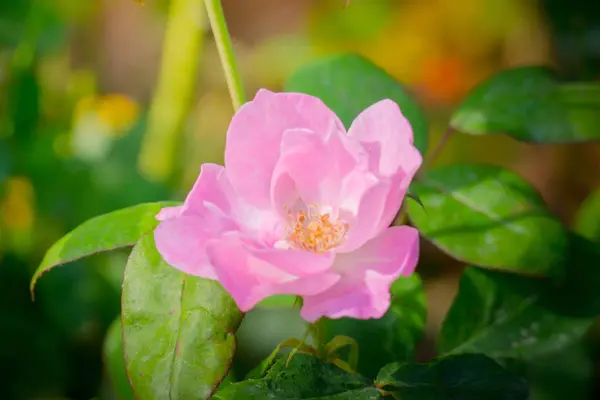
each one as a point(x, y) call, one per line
point(117, 112)
point(441, 48)
point(84, 106)
point(17, 210)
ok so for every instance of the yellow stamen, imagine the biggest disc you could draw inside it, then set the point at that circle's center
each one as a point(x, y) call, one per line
point(314, 231)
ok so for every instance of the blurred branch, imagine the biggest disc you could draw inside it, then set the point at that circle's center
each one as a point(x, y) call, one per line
point(435, 152)
point(223, 41)
point(182, 47)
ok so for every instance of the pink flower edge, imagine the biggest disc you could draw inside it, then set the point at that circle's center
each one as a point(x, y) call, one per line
point(301, 207)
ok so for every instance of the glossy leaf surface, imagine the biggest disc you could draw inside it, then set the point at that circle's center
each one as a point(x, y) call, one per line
point(179, 330)
point(489, 216)
point(529, 104)
point(106, 232)
point(508, 316)
point(304, 378)
point(465, 377)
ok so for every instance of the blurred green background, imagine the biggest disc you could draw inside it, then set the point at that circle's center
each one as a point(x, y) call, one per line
point(105, 104)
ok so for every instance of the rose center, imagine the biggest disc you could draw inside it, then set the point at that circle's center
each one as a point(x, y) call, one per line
point(315, 231)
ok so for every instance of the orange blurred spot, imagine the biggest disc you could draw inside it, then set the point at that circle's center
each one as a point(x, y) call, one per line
point(444, 79)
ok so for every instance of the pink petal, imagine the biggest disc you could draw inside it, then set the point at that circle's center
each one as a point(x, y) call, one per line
point(212, 186)
point(398, 187)
point(255, 134)
point(250, 274)
point(364, 197)
point(311, 168)
point(169, 212)
point(363, 292)
point(331, 171)
point(386, 134)
point(182, 234)
point(295, 261)
point(180, 241)
point(387, 137)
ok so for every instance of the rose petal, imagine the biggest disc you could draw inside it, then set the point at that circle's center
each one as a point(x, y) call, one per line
point(363, 292)
point(364, 197)
point(250, 274)
point(255, 133)
point(181, 241)
point(313, 167)
point(295, 261)
point(212, 186)
point(387, 137)
point(398, 187)
point(331, 171)
point(184, 230)
point(169, 212)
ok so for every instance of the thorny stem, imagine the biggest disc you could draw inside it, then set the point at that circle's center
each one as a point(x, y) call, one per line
point(225, 49)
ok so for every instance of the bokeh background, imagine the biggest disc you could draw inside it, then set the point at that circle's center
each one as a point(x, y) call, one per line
point(107, 103)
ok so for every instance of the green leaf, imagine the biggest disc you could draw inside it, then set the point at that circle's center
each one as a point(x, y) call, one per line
point(265, 365)
point(415, 197)
point(530, 105)
point(333, 347)
point(278, 301)
point(587, 220)
point(114, 362)
point(508, 316)
point(489, 216)
point(394, 336)
point(349, 83)
point(305, 377)
point(179, 330)
point(568, 374)
point(581, 103)
point(465, 377)
point(106, 232)
point(578, 294)
point(4, 160)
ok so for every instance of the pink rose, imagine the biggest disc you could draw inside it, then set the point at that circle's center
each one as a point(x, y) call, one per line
point(301, 207)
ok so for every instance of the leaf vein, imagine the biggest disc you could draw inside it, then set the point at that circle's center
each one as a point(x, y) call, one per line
point(177, 336)
point(466, 202)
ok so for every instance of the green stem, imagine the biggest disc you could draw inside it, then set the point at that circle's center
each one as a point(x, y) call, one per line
point(174, 92)
point(317, 330)
point(223, 41)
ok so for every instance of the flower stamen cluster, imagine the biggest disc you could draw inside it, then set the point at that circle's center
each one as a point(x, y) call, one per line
point(315, 231)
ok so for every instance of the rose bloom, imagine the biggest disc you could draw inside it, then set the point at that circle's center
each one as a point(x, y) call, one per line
point(301, 207)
